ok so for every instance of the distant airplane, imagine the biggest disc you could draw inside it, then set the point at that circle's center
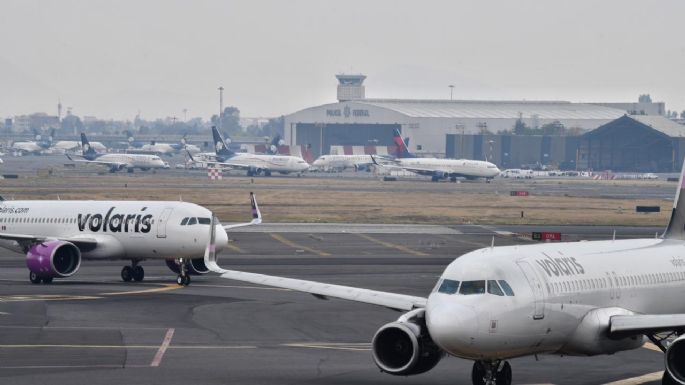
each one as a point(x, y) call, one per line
point(35, 147)
point(333, 162)
point(65, 146)
point(254, 164)
point(160, 148)
point(57, 235)
point(117, 162)
point(439, 169)
point(498, 303)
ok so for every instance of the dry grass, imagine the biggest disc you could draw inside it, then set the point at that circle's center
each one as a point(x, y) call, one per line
point(354, 200)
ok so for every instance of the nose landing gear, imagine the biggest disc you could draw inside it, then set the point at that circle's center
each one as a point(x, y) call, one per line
point(183, 278)
point(491, 373)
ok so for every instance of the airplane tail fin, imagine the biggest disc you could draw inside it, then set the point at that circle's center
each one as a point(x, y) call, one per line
point(85, 144)
point(676, 226)
point(275, 143)
point(402, 150)
point(220, 144)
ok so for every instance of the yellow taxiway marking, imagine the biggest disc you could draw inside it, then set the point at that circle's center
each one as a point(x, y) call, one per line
point(294, 245)
point(166, 287)
point(235, 248)
point(360, 347)
point(393, 246)
point(650, 377)
point(651, 346)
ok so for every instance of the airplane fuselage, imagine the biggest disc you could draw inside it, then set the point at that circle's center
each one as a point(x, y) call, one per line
point(451, 167)
point(274, 163)
point(564, 294)
point(327, 162)
point(122, 229)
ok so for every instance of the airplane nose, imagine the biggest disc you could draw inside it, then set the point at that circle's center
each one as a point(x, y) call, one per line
point(452, 326)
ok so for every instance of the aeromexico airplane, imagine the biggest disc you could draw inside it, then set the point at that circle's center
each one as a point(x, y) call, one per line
point(494, 304)
point(57, 235)
point(439, 169)
point(254, 164)
point(117, 162)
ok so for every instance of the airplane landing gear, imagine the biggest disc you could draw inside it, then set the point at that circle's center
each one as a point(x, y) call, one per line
point(134, 272)
point(491, 373)
point(35, 279)
point(183, 278)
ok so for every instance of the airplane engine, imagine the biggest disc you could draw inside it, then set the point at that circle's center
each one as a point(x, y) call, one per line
point(675, 359)
point(53, 259)
point(404, 349)
point(591, 337)
point(195, 266)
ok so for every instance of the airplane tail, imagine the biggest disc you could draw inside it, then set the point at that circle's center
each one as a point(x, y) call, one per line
point(220, 145)
point(676, 226)
point(275, 142)
point(402, 150)
point(85, 144)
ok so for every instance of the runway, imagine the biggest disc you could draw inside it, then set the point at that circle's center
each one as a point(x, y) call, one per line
point(94, 329)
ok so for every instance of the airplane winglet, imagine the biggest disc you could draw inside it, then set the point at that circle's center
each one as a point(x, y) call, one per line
point(676, 225)
point(256, 214)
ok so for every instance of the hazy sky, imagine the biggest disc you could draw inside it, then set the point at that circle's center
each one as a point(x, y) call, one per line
point(113, 58)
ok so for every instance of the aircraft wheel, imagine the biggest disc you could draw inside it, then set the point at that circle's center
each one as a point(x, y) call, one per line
point(129, 170)
point(47, 280)
point(138, 273)
point(187, 280)
point(435, 179)
point(453, 179)
point(267, 173)
point(478, 373)
point(667, 379)
point(504, 375)
point(34, 278)
point(180, 280)
point(127, 273)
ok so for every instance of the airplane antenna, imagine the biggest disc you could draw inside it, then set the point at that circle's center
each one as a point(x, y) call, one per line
point(614, 237)
point(58, 198)
point(180, 198)
point(492, 244)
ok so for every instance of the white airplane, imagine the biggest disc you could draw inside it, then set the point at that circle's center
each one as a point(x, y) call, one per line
point(497, 303)
point(74, 145)
point(117, 162)
point(35, 147)
point(158, 148)
point(57, 235)
point(254, 164)
point(342, 162)
point(439, 169)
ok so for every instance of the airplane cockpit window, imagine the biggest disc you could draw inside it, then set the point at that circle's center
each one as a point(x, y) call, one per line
point(192, 221)
point(184, 221)
point(204, 221)
point(493, 288)
point(505, 286)
point(448, 286)
point(472, 287)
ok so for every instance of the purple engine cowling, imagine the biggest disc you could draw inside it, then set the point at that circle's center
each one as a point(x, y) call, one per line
point(55, 259)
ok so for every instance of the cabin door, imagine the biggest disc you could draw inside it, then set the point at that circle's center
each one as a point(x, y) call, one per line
point(536, 287)
point(161, 222)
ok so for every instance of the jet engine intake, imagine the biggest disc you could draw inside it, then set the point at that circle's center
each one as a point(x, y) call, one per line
point(404, 349)
point(675, 359)
point(53, 259)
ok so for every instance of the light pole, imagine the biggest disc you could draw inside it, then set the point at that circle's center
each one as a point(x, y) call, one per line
point(451, 86)
point(221, 109)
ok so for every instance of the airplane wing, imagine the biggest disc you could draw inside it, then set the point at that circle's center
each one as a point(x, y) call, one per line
point(646, 323)
point(325, 291)
point(118, 165)
point(256, 215)
point(229, 164)
point(29, 240)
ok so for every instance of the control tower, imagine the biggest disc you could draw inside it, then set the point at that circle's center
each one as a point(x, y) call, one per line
point(350, 87)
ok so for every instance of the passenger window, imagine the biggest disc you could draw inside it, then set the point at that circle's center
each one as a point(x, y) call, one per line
point(192, 221)
point(448, 286)
point(506, 288)
point(493, 288)
point(472, 287)
point(184, 221)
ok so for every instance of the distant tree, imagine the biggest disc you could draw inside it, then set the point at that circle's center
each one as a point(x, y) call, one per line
point(276, 126)
point(72, 124)
point(644, 98)
point(231, 121)
point(553, 128)
point(520, 127)
point(682, 114)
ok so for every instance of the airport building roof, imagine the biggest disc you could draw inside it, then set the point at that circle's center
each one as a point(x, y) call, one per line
point(494, 109)
point(664, 125)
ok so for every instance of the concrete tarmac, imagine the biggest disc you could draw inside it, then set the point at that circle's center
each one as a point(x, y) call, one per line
point(94, 329)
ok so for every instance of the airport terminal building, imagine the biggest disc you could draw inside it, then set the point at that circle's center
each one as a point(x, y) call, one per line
point(430, 125)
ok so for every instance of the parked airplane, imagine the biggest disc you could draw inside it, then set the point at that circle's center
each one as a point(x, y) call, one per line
point(36, 146)
point(159, 148)
point(497, 303)
point(254, 164)
point(341, 162)
point(439, 169)
point(75, 145)
point(57, 235)
point(117, 162)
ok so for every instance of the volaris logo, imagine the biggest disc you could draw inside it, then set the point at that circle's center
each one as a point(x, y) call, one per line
point(115, 223)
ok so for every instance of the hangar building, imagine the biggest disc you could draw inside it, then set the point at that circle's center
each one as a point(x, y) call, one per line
point(634, 143)
point(358, 121)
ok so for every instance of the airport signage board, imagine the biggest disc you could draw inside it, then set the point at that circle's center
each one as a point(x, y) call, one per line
point(546, 236)
point(347, 112)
